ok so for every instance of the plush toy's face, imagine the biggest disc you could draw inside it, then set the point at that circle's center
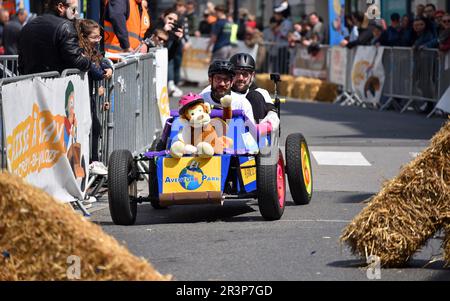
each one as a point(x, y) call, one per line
point(198, 115)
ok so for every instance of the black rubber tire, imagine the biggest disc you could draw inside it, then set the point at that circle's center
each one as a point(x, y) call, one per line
point(294, 169)
point(266, 179)
point(122, 172)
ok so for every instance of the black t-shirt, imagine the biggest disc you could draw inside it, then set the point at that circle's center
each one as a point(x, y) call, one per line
point(259, 105)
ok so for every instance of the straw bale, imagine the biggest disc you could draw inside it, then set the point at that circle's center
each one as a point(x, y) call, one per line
point(408, 210)
point(38, 234)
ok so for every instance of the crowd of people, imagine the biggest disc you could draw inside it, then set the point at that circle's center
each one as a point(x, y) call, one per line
point(427, 28)
point(10, 27)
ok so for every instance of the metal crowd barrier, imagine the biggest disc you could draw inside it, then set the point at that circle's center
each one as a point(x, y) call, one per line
point(9, 66)
point(278, 58)
point(413, 78)
point(131, 122)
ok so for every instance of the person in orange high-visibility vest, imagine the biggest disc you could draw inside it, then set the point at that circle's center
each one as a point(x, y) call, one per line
point(125, 24)
point(145, 18)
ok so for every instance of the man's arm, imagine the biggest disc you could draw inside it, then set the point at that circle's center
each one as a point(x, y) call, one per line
point(217, 28)
point(118, 12)
point(69, 48)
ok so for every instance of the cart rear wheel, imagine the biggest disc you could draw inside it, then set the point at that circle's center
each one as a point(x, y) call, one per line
point(271, 181)
point(122, 187)
point(299, 171)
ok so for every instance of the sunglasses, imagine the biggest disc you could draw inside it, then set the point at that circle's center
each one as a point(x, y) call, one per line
point(446, 21)
point(96, 38)
point(74, 9)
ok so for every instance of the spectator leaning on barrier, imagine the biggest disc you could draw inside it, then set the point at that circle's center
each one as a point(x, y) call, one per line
point(378, 35)
point(365, 33)
point(12, 31)
point(318, 33)
point(424, 37)
point(4, 19)
point(444, 37)
point(405, 38)
point(125, 23)
point(159, 38)
point(392, 34)
point(220, 36)
point(89, 37)
point(352, 28)
point(438, 19)
point(429, 12)
point(50, 42)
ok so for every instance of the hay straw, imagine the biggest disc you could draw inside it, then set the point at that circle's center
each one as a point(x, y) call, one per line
point(408, 210)
point(38, 234)
point(300, 88)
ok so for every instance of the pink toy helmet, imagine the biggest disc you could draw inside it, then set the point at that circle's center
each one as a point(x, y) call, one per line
point(187, 101)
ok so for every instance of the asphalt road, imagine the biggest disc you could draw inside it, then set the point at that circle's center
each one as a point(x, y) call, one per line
point(234, 243)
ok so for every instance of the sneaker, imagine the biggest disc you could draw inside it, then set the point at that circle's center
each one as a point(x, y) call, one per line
point(90, 200)
point(98, 168)
point(86, 204)
point(174, 90)
point(177, 92)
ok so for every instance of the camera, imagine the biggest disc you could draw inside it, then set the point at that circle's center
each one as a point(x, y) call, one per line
point(275, 77)
point(177, 26)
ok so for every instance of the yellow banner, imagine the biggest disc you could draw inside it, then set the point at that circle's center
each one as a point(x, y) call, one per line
point(36, 143)
point(191, 175)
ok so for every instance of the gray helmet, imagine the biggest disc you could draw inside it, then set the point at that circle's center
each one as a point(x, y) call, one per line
point(221, 67)
point(243, 61)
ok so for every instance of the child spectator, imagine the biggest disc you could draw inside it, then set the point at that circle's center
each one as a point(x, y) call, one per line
point(89, 39)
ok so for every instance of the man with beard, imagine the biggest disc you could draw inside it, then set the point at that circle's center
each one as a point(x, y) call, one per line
point(221, 75)
point(50, 42)
point(263, 108)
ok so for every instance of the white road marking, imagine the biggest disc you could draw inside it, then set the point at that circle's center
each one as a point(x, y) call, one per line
point(340, 158)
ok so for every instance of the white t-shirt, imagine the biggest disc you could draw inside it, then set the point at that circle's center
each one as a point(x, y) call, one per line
point(239, 102)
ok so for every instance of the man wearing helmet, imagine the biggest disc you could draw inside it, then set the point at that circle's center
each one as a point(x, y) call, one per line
point(221, 75)
point(264, 110)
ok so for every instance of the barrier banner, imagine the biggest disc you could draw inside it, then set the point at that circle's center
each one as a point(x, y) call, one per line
point(444, 103)
point(338, 66)
point(47, 133)
point(310, 64)
point(368, 73)
point(161, 58)
point(336, 10)
point(196, 60)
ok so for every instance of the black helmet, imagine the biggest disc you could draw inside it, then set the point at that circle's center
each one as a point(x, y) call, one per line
point(243, 61)
point(222, 67)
